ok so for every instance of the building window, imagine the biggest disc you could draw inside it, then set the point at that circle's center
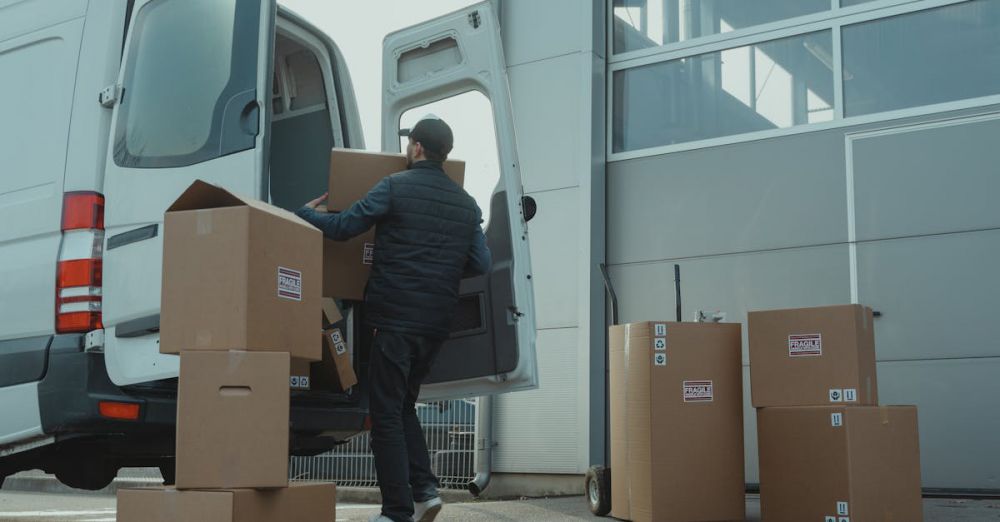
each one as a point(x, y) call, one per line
point(640, 24)
point(770, 85)
point(939, 55)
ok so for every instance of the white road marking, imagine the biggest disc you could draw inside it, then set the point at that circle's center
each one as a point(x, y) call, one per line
point(54, 513)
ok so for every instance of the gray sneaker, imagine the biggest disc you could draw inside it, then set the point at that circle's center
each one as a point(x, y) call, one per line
point(379, 518)
point(427, 510)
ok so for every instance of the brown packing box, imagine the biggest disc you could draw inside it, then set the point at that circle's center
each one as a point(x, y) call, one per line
point(238, 274)
point(300, 374)
point(346, 264)
point(812, 357)
point(335, 371)
point(232, 420)
point(840, 464)
point(676, 422)
point(299, 503)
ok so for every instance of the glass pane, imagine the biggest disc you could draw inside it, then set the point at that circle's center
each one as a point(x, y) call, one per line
point(939, 55)
point(771, 85)
point(185, 62)
point(849, 3)
point(639, 24)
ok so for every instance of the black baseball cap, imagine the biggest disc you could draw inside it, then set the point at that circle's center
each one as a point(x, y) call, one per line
point(433, 133)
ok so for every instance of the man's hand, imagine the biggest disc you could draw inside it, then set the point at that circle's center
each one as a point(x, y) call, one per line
point(318, 201)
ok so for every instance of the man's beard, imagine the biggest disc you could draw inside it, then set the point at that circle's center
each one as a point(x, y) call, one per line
point(409, 158)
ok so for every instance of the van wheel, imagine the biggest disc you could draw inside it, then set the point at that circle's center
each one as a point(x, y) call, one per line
point(598, 488)
point(169, 473)
point(91, 476)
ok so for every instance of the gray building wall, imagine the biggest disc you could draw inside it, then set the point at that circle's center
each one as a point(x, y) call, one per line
point(776, 223)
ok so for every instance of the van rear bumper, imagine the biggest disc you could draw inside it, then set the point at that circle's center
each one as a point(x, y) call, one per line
point(76, 382)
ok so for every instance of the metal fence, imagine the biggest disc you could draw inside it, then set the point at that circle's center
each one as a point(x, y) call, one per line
point(449, 428)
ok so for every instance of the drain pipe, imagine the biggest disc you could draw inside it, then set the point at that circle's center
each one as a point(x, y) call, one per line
point(483, 461)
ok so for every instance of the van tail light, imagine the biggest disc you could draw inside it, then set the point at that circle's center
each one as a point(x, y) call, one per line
point(119, 410)
point(79, 271)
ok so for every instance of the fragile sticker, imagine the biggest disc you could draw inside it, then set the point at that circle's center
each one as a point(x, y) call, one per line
point(660, 330)
point(842, 508)
point(836, 395)
point(836, 420)
point(659, 343)
point(660, 359)
point(850, 395)
point(368, 255)
point(698, 391)
point(805, 345)
point(289, 284)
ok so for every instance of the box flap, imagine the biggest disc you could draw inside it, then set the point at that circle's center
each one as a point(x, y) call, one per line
point(203, 195)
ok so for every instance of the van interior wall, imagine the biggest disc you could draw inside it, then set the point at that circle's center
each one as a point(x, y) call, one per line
point(301, 132)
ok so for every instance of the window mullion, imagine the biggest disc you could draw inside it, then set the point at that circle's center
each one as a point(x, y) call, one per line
point(838, 73)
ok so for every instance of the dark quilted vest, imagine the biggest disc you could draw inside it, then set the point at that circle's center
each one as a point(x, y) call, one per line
point(421, 250)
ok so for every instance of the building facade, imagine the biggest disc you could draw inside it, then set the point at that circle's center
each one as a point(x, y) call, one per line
point(784, 154)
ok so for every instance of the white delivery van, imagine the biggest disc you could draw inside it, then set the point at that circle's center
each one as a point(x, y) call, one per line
point(108, 110)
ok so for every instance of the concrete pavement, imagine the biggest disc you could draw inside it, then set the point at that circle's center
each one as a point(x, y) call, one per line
point(47, 507)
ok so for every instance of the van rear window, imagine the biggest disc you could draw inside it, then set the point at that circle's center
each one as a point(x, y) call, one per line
point(190, 83)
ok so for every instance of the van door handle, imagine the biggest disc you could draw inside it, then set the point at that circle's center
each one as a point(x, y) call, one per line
point(133, 236)
point(138, 327)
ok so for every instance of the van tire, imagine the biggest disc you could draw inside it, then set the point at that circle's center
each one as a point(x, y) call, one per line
point(89, 476)
point(597, 488)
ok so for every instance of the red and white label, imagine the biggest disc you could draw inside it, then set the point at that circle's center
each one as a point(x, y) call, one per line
point(805, 345)
point(368, 256)
point(698, 391)
point(289, 283)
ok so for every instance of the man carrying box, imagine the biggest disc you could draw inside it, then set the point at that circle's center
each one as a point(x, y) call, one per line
point(428, 236)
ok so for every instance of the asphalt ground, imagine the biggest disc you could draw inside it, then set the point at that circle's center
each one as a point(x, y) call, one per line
point(49, 507)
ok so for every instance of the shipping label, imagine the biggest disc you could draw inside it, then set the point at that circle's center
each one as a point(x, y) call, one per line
point(836, 420)
point(844, 519)
point(850, 395)
point(836, 395)
point(660, 343)
point(299, 382)
point(289, 284)
point(842, 508)
point(829, 519)
point(660, 359)
point(805, 345)
point(698, 391)
point(368, 255)
point(660, 329)
point(337, 340)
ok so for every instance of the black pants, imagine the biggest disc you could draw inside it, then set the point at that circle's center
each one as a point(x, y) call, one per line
point(399, 363)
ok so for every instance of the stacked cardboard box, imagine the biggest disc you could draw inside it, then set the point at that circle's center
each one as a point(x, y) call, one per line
point(828, 452)
point(347, 264)
point(676, 422)
point(241, 294)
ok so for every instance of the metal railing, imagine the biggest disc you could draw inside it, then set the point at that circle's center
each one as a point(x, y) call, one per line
point(449, 428)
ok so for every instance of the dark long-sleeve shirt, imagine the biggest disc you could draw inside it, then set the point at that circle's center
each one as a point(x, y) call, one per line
point(376, 205)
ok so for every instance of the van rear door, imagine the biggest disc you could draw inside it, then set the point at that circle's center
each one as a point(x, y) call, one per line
point(492, 348)
point(189, 105)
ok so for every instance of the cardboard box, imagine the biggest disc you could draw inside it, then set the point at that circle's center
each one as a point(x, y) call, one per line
point(232, 420)
point(336, 370)
point(238, 274)
point(314, 502)
point(676, 405)
point(347, 264)
point(300, 378)
point(840, 464)
point(813, 357)
point(331, 312)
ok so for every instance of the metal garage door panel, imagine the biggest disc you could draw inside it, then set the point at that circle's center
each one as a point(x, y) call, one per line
point(959, 420)
point(926, 179)
point(938, 295)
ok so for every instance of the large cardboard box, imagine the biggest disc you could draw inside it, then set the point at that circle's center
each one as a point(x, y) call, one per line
point(299, 502)
point(238, 274)
point(347, 264)
point(839, 464)
point(813, 357)
point(232, 420)
point(336, 371)
point(676, 404)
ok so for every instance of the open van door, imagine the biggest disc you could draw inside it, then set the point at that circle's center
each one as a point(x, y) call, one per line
point(492, 347)
point(189, 104)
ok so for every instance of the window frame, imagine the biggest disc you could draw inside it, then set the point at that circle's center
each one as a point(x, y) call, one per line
point(212, 148)
point(834, 20)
